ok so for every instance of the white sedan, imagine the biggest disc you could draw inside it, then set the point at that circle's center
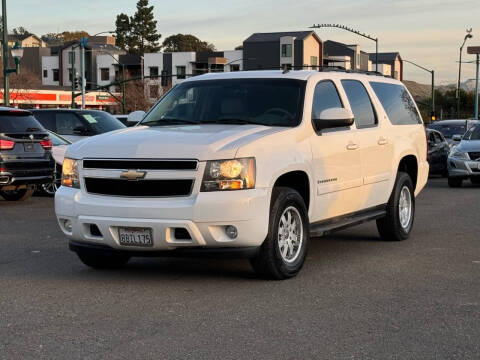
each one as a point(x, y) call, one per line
point(59, 148)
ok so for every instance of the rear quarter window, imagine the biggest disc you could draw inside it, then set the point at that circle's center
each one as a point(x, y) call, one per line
point(397, 102)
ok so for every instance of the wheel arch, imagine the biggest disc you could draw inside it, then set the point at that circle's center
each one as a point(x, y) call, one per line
point(409, 164)
point(297, 180)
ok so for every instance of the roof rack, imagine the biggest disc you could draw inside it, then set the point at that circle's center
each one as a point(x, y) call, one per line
point(287, 69)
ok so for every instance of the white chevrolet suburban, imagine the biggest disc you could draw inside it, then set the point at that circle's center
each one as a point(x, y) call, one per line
point(250, 164)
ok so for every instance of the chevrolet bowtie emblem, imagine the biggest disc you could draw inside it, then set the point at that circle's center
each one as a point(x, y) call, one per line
point(133, 175)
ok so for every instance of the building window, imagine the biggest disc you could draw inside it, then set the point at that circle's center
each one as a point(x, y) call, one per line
point(153, 91)
point(181, 72)
point(45, 73)
point(154, 72)
point(235, 67)
point(56, 75)
point(105, 74)
point(71, 57)
point(314, 61)
point(69, 74)
point(286, 50)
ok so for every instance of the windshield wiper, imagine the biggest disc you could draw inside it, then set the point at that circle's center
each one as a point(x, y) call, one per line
point(234, 121)
point(169, 121)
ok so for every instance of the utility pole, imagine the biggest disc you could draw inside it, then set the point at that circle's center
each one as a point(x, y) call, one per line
point(83, 42)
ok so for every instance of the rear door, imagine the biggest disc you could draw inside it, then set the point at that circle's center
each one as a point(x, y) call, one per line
point(336, 160)
point(376, 149)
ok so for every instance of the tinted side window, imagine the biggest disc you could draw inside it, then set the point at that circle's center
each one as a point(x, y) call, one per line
point(360, 103)
point(438, 138)
point(46, 119)
point(67, 122)
point(325, 97)
point(397, 103)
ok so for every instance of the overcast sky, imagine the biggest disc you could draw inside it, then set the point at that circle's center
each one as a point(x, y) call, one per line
point(428, 32)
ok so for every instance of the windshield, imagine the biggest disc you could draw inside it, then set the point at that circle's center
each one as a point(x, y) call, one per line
point(101, 122)
point(473, 133)
point(269, 102)
point(448, 130)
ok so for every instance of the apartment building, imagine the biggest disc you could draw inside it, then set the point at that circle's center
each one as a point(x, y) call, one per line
point(394, 60)
point(296, 50)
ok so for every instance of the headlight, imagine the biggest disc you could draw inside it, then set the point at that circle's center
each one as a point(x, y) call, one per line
point(70, 173)
point(236, 174)
point(457, 154)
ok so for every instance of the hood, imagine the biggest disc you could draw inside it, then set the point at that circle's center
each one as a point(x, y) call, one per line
point(202, 142)
point(469, 146)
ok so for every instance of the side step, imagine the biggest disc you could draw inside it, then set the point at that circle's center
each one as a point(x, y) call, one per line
point(345, 221)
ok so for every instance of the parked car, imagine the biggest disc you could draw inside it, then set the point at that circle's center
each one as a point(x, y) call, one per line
point(453, 130)
point(464, 159)
point(438, 150)
point(59, 147)
point(77, 124)
point(249, 163)
point(25, 157)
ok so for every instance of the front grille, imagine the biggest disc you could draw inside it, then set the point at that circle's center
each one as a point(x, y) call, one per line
point(474, 155)
point(142, 188)
point(141, 164)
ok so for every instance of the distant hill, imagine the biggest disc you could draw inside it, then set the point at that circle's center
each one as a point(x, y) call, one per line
point(418, 91)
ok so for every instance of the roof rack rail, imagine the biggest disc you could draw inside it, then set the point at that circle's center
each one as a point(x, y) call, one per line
point(287, 69)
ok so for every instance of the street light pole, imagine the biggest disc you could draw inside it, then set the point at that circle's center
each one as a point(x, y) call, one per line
point(432, 72)
point(476, 86)
point(355, 32)
point(468, 36)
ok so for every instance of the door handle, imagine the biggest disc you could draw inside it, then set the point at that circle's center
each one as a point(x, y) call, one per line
point(353, 147)
point(382, 141)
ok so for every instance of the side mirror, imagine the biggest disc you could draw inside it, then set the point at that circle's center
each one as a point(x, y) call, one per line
point(334, 118)
point(135, 117)
point(457, 137)
point(80, 131)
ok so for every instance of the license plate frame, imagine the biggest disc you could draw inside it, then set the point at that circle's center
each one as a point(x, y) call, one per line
point(135, 237)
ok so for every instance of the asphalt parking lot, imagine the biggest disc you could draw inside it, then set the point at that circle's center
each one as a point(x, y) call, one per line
point(356, 298)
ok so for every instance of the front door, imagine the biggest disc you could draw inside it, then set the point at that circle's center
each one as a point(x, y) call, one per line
point(336, 161)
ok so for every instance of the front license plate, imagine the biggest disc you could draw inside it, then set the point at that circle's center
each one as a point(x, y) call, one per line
point(141, 237)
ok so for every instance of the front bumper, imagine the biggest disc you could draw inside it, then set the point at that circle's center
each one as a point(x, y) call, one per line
point(463, 168)
point(204, 216)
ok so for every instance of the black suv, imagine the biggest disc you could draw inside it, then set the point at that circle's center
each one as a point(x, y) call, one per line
point(25, 156)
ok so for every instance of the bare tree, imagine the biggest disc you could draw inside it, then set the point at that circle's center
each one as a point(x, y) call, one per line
point(20, 84)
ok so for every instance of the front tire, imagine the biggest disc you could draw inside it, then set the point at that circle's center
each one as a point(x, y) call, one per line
point(17, 195)
point(283, 252)
point(102, 260)
point(398, 223)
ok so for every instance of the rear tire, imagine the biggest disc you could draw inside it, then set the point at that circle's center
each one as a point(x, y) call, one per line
point(102, 260)
point(283, 252)
point(17, 195)
point(398, 223)
point(455, 182)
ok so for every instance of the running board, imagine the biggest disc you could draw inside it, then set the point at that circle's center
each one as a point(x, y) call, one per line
point(346, 221)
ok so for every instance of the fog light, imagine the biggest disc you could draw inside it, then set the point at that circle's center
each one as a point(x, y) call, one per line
point(231, 231)
point(67, 224)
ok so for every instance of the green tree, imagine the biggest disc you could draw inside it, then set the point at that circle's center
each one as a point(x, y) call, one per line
point(185, 42)
point(144, 29)
point(123, 32)
point(21, 31)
